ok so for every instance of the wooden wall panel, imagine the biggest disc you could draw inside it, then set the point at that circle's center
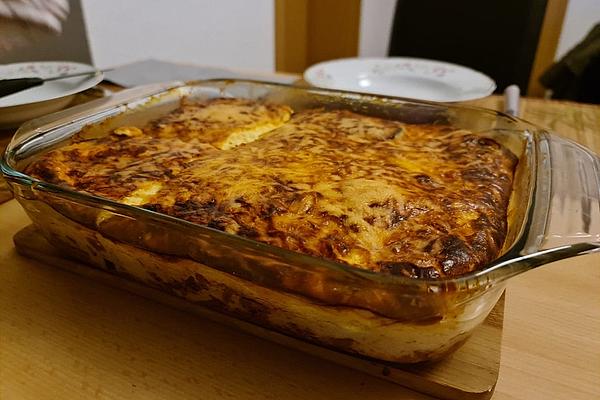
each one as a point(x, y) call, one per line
point(310, 31)
point(333, 27)
point(290, 35)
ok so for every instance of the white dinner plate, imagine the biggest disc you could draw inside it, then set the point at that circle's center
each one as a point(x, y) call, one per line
point(414, 78)
point(49, 97)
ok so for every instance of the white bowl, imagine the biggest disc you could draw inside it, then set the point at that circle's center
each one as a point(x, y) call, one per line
point(49, 97)
point(403, 77)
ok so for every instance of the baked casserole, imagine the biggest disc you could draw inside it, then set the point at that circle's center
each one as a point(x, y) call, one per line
point(423, 201)
point(419, 201)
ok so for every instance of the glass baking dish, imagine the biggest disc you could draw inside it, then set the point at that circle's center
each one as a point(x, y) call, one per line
point(554, 213)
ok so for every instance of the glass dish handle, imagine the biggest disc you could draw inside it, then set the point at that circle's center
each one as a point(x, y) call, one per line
point(566, 215)
point(73, 114)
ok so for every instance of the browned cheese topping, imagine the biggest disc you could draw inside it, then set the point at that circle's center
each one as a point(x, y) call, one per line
point(424, 201)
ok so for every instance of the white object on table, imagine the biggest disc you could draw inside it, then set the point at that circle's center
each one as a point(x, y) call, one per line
point(154, 71)
point(512, 96)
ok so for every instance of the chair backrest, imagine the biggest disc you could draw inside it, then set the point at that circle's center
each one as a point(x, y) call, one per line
point(71, 45)
point(496, 37)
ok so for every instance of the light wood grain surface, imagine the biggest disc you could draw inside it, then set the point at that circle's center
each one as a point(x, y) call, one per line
point(470, 373)
point(576, 121)
point(62, 336)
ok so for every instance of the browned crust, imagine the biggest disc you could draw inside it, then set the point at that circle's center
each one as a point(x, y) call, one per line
point(423, 201)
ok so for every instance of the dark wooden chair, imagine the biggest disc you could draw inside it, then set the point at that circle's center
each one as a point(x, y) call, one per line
point(497, 37)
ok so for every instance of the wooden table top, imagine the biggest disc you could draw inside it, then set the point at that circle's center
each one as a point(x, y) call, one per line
point(63, 336)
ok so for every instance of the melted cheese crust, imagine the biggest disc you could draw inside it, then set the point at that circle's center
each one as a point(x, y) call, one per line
point(414, 200)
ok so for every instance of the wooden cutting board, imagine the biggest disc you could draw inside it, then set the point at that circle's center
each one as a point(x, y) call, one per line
point(470, 373)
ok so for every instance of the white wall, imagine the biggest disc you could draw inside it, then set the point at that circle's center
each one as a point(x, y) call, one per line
point(580, 17)
point(227, 33)
point(377, 17)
